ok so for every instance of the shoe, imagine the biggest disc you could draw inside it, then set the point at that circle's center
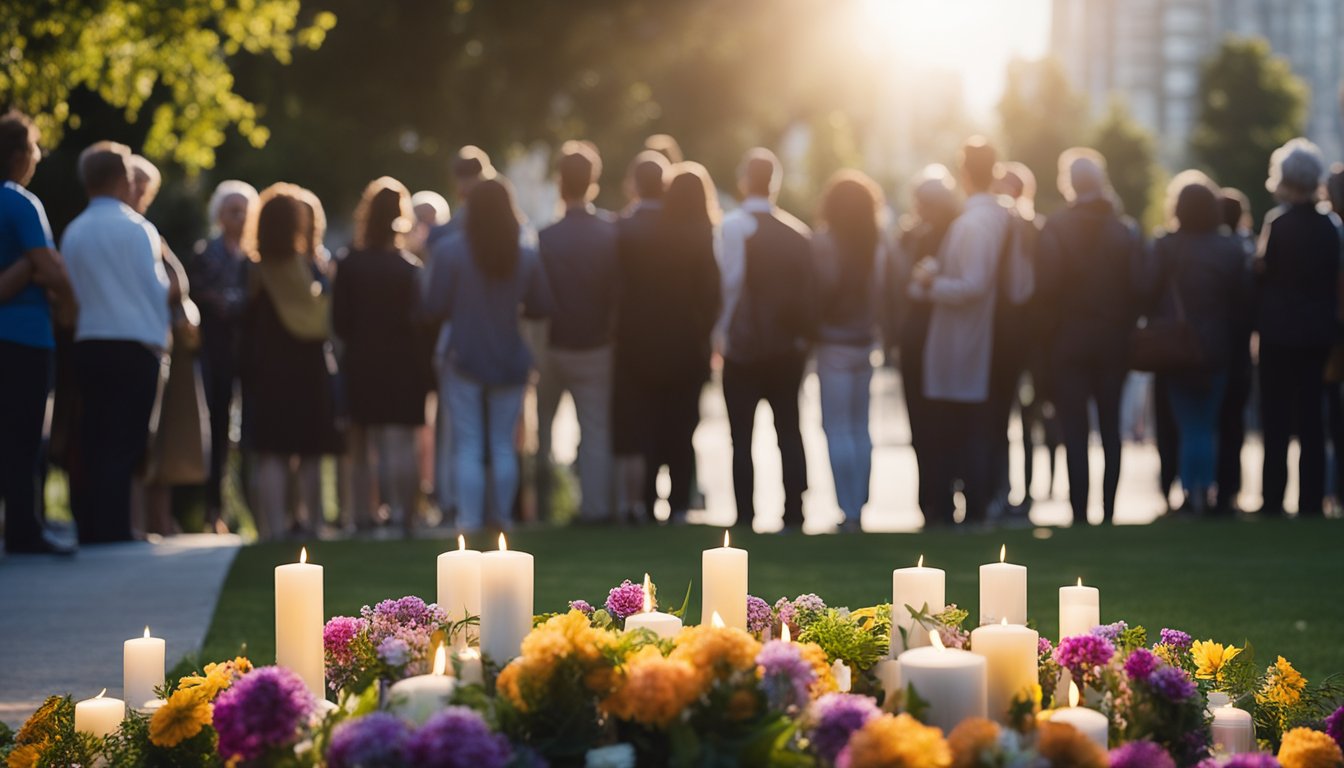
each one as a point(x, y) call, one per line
point(44, 545)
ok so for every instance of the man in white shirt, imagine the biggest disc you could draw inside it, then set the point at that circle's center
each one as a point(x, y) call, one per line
point(115, 265)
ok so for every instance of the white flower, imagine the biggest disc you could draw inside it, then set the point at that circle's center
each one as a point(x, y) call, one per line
point(614, 756)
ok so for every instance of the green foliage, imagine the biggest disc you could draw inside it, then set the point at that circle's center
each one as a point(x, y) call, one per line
point(1042, 116)
point(1131, 638)
point(845, 638)
point(1131, 157)
point(1250, 103)
point(170, 56)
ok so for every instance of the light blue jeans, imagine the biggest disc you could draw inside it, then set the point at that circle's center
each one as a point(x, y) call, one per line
point(845, 373)
point(484, 420)
point(1196, 411)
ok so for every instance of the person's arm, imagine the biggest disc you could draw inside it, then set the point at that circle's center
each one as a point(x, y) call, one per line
point(342, 313)
point(732, 267)
point(538, 302)
point(975, 249)
point(437, 282)
point(177, 276)
point(15, 278)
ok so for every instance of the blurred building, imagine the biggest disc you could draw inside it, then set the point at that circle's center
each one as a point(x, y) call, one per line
point(1150, 53)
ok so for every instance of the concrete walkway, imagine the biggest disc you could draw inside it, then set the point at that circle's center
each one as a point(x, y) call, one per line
point(63, 620)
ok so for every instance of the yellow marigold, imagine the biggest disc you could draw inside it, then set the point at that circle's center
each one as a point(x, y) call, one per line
point(42, 726)
point(815, 656)
point(25, 756)
point(971, 740)
point(716, 652)
point(1066, 747)
point(1305, 748)
point(217, 677)
point(653, 690)
point(182, 717)
point(1210, 658)
point(898, 741)
point(1283, 685)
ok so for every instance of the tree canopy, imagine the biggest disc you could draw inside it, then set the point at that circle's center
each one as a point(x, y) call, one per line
point(1131, 158)
point(1041, 116)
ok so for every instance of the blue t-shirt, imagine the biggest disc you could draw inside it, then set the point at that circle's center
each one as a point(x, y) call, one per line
point(26, 318)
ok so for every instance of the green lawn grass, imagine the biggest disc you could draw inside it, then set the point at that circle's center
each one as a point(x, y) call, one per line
point(1277, 584)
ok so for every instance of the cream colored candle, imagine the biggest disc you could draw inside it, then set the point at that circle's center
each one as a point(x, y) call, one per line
point(916, 587)
point(1090, 723)
point(951, 681)
point(298, 622)
point(1010, 652)
point(723, 583)
point(506, 602)
point(1079, 610)
point(417, 698)
point(1233, 729)
point(142, 664)
point(888, 673)
point(843, 678)
point(459, 582)
point(1003, 591)
point(470, 671)
point(664, 625)
point(100, 715)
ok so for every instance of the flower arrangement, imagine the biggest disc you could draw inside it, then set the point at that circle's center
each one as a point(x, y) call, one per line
point(387, 642)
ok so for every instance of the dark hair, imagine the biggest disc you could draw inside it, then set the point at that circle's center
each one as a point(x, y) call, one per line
point(102, 165)
point(383, 215)
point(759, 172)
point(1234, 206)
point(979, 161)
point(849, 211)
point(665, 145)
point(687, 202)
point(492, 228)
point(1197, 209)
point(472, 163)
point(649, 173)
point(580, 167)
point(1334, 187)
point(275, 227)
point(16, 134)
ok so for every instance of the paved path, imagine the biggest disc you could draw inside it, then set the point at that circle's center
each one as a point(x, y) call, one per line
point(62, 621)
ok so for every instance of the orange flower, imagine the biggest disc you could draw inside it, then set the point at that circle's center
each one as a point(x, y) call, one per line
point(25, 756)
point(971, 740)
point(653, 690)
point(1066, 747)
point(716, 652)
point(815, 656)
point(898, 741)
point(1305, 748)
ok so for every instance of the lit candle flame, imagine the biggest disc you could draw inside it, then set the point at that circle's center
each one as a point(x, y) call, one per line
point(784, 632)
point(936, 640)
point(469, 654)
point(303, 555)
point(503, 545)
point(1080, 581)
point(648, 594)
point(921, 562)
point(1003, 553)
point(1073, 694)
point(1004, 622)
point(440, 661)
point(461, 543)
point(101, 694)
point(146, 630)
point(725, 538)
point(716, 621)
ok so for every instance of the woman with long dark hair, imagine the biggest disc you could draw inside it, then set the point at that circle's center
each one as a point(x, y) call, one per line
point(851, 266)
point(486, 281)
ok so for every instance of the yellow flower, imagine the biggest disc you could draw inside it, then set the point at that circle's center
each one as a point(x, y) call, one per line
point(25, 756)
point(181, 718)
point(653, 690)
point(217, 677)
point(1067, 747)
point(898, 741)
point(716, 652)
point(1210, 658)
point(971, 740)
point(1283, 685)
point(815, 656)
point(1305, 748)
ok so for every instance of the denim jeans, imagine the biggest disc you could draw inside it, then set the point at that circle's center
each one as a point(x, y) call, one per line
point(484, 420)
point(586, 375)
point(845, 374)
point(1196, 410)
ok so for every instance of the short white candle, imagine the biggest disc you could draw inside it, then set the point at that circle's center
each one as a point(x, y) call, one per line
point(950, 680)
point(459, 582)
point(506, 602)
point(152, 706)
point(100, 715)
point(469, 668)
point(1233, 728)
point(723, 583)
point(1079, 610)
point(1003, 591)
point(888, 673)
point(415, 699)
point(840, 671)
point(918, 588)
point(1090, 723)
point(142, 664)
point(298, 622)
point(664, 625)
point(1010, 652)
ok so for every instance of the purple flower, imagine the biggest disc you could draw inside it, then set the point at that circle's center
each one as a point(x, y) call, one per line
point(582, 606)
point(786, 677)
point(1172, 684)
point(835, 717)
point(785, 614)
point(625, 600)
point(953, 637)
point(1044, 648)
point(260, 712)
point(372, 741)
point(1083, 653)
point(1140, 664)
point(394, 652)
point(409, 620)
point(339, 635)
point(1141, 754)
point(1111, 632)
point(1175, 638)
point(809, 603)
point(1334, 727)
point(457, 737)
point(409, 610)
point(759, 616)
point(1244, 760)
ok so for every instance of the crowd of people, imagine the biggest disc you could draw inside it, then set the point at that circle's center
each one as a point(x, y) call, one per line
point(409, 353)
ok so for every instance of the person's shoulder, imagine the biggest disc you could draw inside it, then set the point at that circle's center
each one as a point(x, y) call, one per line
point(792, 222)
point(15, 196)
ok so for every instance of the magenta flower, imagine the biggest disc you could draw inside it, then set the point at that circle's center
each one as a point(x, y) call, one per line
point(339, 635)
point(1334, 726)
point(582, 606)
point(1141, 754)
point(1141, 663)
point(261, 712)
point(834, 718)
point(372, 741)
point(1083, 654)
point(1044, 648)
point(625, 600)
point(1244, 760)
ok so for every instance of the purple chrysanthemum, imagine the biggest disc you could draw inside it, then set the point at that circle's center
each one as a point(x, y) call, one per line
point(582, 606)
point(1044, 648)
point(1141, 754)
point(372, 741)
point(409, 610)
point(786, 614)
point(1172, 684)
point(786, 677)
point(260, 712)
point(809, 603)
point(1111, 632)
point(1334, 726)
point(1244, 760)
point(835, 717)
point(338, 635)
point(1082, 654)
point(625, 600)
point(1175, 638)
point(394, 652)
point(457, 737)
point(1141, 663)
point(759, 616)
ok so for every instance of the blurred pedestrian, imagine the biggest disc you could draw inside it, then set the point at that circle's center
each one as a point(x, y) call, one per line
point(1236, 210)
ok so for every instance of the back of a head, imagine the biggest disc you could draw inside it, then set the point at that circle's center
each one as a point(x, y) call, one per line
point(1193, 203)
point(1235, 208)
point(430, 207)
point(979, 162)
point(649, 173)
point(1082, 174)
point(1295, 171)
point(688, 202)
point(850, 207)
point(934, 195)
point(105, 168)
point(383, 215)
point(665, 145)
point(1018, 181)
point(145, 182)
point(493, 228)
point(760, 174)
point(276, 228)
point(472, 163)
point(579, 168)
point(16, 134)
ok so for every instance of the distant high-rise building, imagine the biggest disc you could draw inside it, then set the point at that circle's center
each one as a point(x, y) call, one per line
point(1149, 52)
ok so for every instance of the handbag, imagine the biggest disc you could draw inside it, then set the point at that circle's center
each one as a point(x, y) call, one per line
point(1166, 344)
point(180, 445)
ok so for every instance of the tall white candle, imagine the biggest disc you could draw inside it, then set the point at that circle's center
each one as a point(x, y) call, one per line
point(417, 698)
point(506, 602)
point(1091, 723)
point(723, 584)
point(1003, 591)
point(100, 715)
point(915, 587)
point(664, 625)
point(1079, 610)
point(950, 681)
point(1010, 652)
point(142, 665)
point(459, 582)
point(298, 622)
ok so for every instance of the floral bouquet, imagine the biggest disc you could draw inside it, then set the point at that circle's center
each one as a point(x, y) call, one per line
point(392, 640)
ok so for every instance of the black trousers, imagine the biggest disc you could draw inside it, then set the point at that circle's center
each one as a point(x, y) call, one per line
point(220, 372)
point(960, 447)
point(674, 421)
point(1232, 433)
point(1291, 391)
point(24, 387)
point(745, 385)
point(118, 383)
point(936, 507)
point(1076, 384)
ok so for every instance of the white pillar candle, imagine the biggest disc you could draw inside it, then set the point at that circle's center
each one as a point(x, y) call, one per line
point(723, 583)
point(1090, 723)
point(1233, 730)
point(951, 681)
point(1003, 591)
point(664, 625)
point(100, 715)
point(459, 581)
point(415, 699)
point(298, 622)
point(888, 673)
point(843, 678)
point(1079, 610)
point(142, 664)
point(469, 668)
point(1010, 652)
point(914, 587)
point(506, 602)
